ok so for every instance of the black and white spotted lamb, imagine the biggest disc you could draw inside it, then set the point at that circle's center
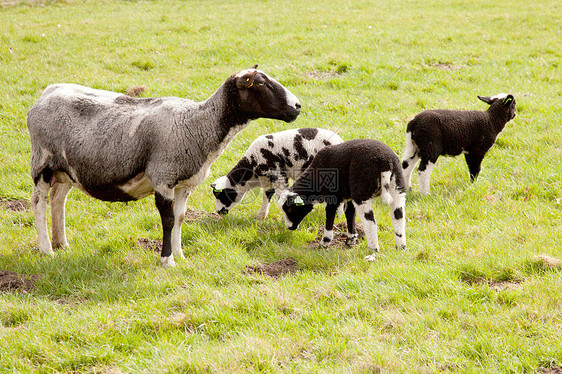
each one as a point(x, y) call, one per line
point(119, 148)
point(353, 172)
point(269, 163)
point(434, 133)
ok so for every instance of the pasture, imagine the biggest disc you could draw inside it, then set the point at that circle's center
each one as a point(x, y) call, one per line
point(479, 288)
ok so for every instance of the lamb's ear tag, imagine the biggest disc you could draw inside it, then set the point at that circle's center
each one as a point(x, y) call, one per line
point(299, 201)
point(215, 190)
point(507, 100)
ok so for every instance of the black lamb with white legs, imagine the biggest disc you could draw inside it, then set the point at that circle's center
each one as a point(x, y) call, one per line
point(353, 172)
point(268, 163)
point(434, 133)
point(119, 148)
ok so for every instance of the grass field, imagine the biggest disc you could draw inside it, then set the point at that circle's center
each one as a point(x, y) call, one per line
point(478, 290)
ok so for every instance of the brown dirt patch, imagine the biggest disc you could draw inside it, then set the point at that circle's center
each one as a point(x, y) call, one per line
point(194, 215)
point(275, 269)
point(553, 369)
point(548, 261)
point(15, 205)
point(340, 235)
point(447, 66)
point(504, 285)
point(152, 245)
point(135, 90)
point(10, 281)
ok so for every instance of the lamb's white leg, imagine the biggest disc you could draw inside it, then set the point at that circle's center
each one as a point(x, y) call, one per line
point(367, 216)
point(180, 198)
point(425, 176)
point(386, 197)
point(327, 237)
point(409, 160)
point(264, 208)
point(58, 200)
point(39, 206)
point(398, 218)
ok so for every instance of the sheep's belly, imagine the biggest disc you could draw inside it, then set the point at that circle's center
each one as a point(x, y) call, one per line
point(138, 187)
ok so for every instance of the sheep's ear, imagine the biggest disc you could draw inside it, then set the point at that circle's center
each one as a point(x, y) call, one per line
point(508, 100)
point(247, 80)
point(486, 99)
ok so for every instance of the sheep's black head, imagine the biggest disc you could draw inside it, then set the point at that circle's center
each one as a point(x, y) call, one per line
point(506, 101)
point(262, 96)
point(294, 208)
point(226, 197)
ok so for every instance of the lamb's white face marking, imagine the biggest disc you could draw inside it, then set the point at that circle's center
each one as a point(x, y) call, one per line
point(499, 96)
point(221, 183)
point(282, 199)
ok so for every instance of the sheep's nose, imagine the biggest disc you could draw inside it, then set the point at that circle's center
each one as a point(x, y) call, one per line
point(298, 106)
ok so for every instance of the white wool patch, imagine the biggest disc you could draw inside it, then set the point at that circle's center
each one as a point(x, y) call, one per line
point(221, 183)
point(500, 96)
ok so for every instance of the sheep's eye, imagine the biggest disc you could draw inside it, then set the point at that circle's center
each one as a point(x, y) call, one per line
point(261, 84)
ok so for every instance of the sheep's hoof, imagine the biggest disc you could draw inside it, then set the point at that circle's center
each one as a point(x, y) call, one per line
point(401, 246)
point(372, 257)
point(261, 215)
point(350, 242)
point(325, 242)
point(47, 252)
point(168, 262)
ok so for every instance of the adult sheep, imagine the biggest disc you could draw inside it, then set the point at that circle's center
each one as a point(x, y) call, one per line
point(119, 148)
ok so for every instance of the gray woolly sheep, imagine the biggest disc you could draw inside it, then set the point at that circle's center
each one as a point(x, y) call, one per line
point(268, 163)
point(119, 148)
point(352, 172)
point(434, 133)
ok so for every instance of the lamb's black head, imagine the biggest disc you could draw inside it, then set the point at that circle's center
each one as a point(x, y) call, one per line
point(503, 100)
point(262, 96)
point(294, 208)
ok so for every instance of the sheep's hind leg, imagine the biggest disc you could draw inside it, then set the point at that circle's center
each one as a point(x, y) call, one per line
point(166, 209)
point(331, 210)
point(397, 216)
point(409, 161)
point(39, 206)
point(58, 201)
point(181, 194)
point(425, 169)
point(365, 210)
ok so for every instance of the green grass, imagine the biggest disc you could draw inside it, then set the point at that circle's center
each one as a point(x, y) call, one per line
point(363, 68)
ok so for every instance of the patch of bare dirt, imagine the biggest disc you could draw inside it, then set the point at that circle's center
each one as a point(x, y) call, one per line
point(194, 215)
point(136, 90)
point(15, 205)
point(553, 369)
point(504, 285)
point(275, 269)
point(548, 261)
point(340, 235)
point(152, 245)
point(10, 281)
point(323, 75)
point(447, 66)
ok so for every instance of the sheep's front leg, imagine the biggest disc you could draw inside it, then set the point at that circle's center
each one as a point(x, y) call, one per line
point(264, 208)
point(181, 194)
point(425, 169)
point(397, 216)
point(166, 209)
point(58, 200)
point(474, 161)
point(331, 210)
point(365, 210)
point(351, 228)
point(39, 206)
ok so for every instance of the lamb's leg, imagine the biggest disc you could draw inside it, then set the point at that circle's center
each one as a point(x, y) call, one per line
point(264, 208)
point(39, 206)
point(58, 200)
point(351, 228)
point(410, 159)
point(180, 198)
point(166, 208)
point(331, 210)
point(473, 160)
point(365, 210)
point(425, 169)
point(397, 216)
